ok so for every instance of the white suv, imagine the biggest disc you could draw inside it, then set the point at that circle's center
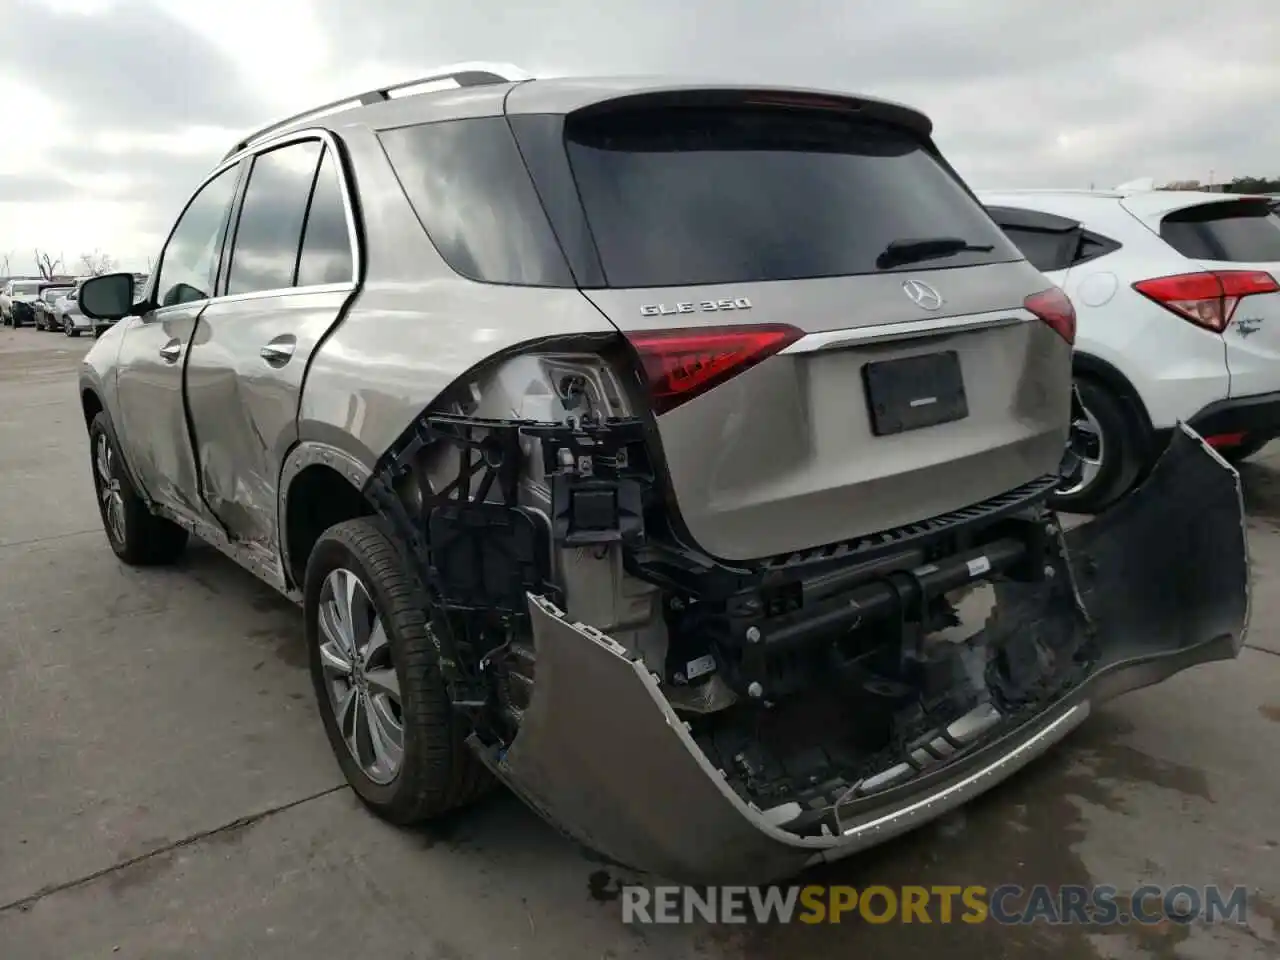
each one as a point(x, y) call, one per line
point(1178, 319)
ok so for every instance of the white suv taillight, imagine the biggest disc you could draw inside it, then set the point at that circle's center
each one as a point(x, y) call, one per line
point(1207, 299)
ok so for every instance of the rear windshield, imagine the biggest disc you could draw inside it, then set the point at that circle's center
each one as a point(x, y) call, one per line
point(695, 195)
point(26, 289)
point(1237, 231)
point(53, 293)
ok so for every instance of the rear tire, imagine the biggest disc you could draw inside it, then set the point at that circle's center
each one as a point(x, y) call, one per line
point(435, 771)
point(137, 536)
point(1114, 464)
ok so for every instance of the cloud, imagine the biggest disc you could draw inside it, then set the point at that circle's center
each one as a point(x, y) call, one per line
point(135, 100)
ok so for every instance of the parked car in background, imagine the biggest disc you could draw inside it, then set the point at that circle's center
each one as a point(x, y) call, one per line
point(1178, 319)
point(46, 306)
point(634, 443)
point(22, 296)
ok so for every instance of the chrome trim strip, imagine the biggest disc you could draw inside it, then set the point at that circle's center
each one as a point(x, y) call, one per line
point(924, 327)
point(906, 818)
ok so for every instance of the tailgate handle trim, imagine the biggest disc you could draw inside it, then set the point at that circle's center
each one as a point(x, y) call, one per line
point(905, 330)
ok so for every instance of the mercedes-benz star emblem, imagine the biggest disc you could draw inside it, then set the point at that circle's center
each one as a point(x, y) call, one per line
point(922, 295)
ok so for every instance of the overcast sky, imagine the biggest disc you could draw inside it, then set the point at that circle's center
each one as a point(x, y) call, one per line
point(115, 108)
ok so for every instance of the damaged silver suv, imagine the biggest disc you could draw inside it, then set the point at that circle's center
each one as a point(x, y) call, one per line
point(673, 454)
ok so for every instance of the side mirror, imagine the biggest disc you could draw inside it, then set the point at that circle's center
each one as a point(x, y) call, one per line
point(109, 297)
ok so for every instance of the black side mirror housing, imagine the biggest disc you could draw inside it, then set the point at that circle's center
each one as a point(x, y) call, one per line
point(109, 297)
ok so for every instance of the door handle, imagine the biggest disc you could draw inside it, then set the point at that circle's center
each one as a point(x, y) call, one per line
point(171, 351)
point(278, 352)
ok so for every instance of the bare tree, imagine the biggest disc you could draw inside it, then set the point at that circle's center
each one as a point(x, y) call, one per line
point(47, 264)
point(6, 267)
point(96, 264)
point(151, 265)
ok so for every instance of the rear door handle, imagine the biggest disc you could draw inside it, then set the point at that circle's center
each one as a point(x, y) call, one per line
point(171, 351)
point(280, 350)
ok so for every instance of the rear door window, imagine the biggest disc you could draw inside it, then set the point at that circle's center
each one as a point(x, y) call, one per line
point(265, 252)
point(702, 195)
point(1049, 242)
point(1235, 231)
point(326, 242)
point(1046, 251)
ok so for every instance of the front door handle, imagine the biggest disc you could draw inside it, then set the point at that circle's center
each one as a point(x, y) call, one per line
point(279, 351)
point(171, 351)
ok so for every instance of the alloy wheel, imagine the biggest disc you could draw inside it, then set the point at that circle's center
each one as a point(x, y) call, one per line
point(108, 485)
point(360, 678)
point(1086, 437)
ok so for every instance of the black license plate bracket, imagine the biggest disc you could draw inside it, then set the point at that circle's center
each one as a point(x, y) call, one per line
point(915, 392)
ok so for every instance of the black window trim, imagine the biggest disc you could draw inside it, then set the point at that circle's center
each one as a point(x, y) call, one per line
point(1108, 245)
point(244, 159)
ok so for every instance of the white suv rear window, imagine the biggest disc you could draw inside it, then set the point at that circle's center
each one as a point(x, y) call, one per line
point(1235, 231)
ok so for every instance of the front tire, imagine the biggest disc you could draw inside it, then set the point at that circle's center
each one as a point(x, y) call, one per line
point(137, 536)
point(1113, 454)
point(381, 695)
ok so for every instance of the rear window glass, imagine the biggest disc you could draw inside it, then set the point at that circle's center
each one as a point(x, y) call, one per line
point(26, 289)
point(1237, 231)
point(472, 193)
point(695, 195)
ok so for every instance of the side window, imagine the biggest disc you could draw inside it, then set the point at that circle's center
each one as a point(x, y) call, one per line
point(1048, 241)
point(326, 243)
point(189, 263)
point(468, 185)
point(1047, 251)
point(1094, 245)
point(265, 251)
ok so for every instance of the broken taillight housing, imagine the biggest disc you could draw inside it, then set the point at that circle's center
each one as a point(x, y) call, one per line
point(1207, 299)
point(680, 364)
point(1055, 308)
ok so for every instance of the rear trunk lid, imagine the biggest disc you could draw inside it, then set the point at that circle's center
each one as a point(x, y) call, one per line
point(1237, 241)
point(745, 251)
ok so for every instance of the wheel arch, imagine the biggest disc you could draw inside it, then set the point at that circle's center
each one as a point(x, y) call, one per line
point(320, 485)
point(1107, 375)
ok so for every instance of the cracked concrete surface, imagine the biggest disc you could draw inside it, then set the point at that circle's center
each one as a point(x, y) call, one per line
point(166, 790)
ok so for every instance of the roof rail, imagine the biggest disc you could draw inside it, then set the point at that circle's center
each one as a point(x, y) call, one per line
point(470, 74)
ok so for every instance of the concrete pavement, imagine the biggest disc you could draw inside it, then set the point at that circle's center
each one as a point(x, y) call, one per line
point(166, 789)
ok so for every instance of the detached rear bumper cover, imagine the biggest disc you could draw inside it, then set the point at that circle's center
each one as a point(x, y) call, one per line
point(1162, 579)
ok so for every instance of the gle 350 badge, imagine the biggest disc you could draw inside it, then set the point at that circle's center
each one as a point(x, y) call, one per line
point(694, 306)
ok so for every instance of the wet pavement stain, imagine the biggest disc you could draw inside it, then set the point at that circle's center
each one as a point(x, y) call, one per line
point(1271, 711)
point(603, 887)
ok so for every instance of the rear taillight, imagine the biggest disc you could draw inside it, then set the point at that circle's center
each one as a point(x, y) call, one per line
point(1055, 308)
point(1207, 299)
point(680, 364)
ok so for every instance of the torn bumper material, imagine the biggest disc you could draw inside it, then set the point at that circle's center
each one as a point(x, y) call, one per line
point(1161, 583)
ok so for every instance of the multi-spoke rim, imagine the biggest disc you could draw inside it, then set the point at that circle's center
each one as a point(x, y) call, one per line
point(364, 692)
point(109, 495)
point(1086, 437)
